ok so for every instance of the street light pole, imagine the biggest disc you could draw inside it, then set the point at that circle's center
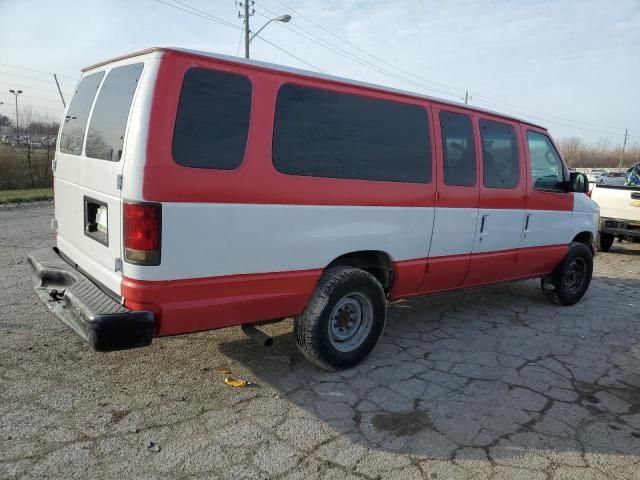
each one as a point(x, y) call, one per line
point(15, 94)
point(281, 18)
point(247, 5)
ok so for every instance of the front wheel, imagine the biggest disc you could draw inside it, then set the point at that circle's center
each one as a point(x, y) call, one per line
point(343, 320)
point(605, 241)
point(570, 280)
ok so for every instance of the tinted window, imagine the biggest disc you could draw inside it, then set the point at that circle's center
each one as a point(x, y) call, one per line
point(213, 120)
point(328, 134)
point(499, 155)
point(75, 123)
point(458, 149)
point(547, 170)
point(111, 112)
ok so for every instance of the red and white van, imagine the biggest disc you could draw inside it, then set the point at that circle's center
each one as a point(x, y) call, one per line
point(196, 191)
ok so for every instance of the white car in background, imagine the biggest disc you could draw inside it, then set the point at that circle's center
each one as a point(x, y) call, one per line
point(594, 174)
point(612, 178)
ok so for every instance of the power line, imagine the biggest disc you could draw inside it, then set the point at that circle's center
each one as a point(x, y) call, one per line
point(38, 71)
point(240, 40)
point(32, 97)
point(289, 53)
point(543, 116)
point(348, 55)
point(375, 57)
point(31, 88)
point(494, 100)
point(489, 103)
point(22, 77)
point(205, 15)
point(212, 18)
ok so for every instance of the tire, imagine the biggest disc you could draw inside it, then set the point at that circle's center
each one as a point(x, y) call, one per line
point(570, 280)
point(343, 320)
point(604, 242)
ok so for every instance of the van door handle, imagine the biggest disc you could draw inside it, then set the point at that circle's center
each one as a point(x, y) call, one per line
point(635, 195)
point(482, 224)
point(526, 222)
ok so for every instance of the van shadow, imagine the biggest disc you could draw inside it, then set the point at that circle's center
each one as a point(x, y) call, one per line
point(495, 369)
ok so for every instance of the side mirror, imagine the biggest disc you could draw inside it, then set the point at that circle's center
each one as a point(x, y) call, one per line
point(578, 182)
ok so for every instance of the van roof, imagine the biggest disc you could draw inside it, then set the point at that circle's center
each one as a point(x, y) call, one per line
point(306, 73)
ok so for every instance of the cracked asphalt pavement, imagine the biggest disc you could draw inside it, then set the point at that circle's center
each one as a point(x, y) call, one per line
point(491, 383)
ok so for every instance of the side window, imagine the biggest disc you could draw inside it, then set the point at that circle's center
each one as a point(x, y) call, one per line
point(75, 123)
point(458, 149)
point(324, 133)
point(111, 112)
point(547, 170)
point(500, 160)
point(212, 124)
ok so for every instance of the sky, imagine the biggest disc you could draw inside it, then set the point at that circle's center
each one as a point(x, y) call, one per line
point(572, 66)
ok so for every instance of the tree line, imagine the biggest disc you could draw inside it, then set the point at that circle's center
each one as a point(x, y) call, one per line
point(579, 154)
point(32, 122)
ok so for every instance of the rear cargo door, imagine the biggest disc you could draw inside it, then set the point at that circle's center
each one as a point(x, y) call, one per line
point(88, 171)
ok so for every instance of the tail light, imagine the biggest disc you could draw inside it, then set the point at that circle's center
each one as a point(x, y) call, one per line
point(589, 193)
point(142, 231)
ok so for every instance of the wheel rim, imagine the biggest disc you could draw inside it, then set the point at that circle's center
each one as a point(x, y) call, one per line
point(350, 322)
point(575, 275)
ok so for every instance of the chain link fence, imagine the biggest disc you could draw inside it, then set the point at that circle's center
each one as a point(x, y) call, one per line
point(26, 166)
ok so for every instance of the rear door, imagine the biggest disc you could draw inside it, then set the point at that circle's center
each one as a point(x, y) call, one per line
point(502, 203)
point(456, 211)
point(88, 171)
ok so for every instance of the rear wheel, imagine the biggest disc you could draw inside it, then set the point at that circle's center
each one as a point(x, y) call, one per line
point(570, 280)
point(343, 320)
point(604, 242)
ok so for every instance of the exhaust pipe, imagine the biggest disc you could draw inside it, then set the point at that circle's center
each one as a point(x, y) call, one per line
point(256, 335)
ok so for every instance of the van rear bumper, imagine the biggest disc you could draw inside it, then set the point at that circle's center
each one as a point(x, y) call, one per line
point(78, 302)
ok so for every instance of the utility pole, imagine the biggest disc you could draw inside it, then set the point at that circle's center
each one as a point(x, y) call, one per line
point(55, 77)
point(624, 144)
point(247, 6)
point(467, 97)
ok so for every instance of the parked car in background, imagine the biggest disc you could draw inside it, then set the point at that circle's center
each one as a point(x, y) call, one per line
point(594, 174)
point(196, 191)
point(612, 178)
point(619, 213)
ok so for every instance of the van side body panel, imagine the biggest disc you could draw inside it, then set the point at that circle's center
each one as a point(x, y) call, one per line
point(249, 245)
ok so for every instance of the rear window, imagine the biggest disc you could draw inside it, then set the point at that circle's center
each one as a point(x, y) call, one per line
point(111, 112)
point(212, 123)
point(322, 133)
point(499, 155)
point(75, 123)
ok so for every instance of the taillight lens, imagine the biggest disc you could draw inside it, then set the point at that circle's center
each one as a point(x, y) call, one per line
point(142, 230)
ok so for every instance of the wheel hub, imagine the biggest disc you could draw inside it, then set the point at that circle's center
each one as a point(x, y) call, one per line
point(350, 322)
point(575, 275)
